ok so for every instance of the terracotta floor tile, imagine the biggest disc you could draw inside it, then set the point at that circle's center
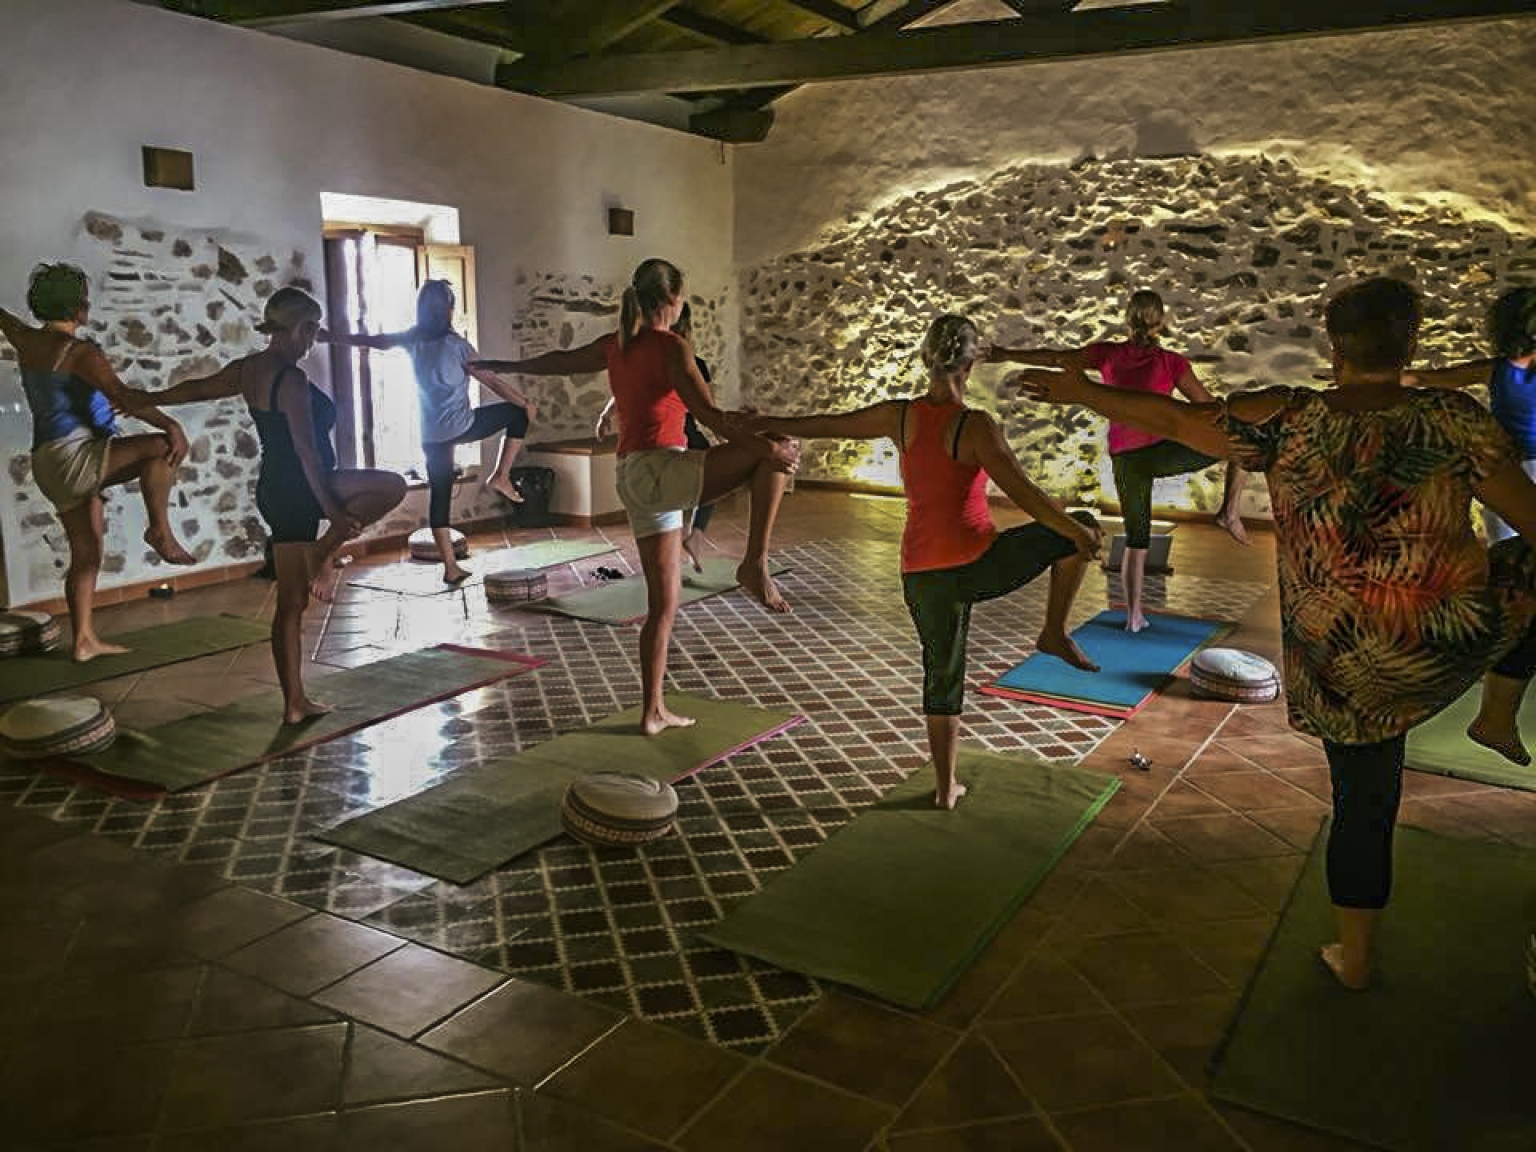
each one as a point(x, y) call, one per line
point(1046, 985)
point(1020, 1134)
point(1182, 895)
point(1098, 911)
point(230, 1002)
point(1246, 791)
point(1280, 751)
point(863, 1047)
point(223, 1081)
point(1232, 948)
point(122, 1009)
point(769, 1110)
point(409, 990)
point(547, 1125)
point(521, 1031)
point(1186, 1033)
point(1142, 968)
point(307, 1134)
point(1079, 1061)
point(1184, 799)
point(1269, 880)
point(307, 955)
point(381, 1068)
point(1298, 827)
point(1270, 1134)
point(1215, 759)
point(232, 918)
point(971, 1084)
point(1213, 839)
point(1147, 848)
point(482, 1122)
point(41, 1100)
point(645, 1077)
point(1180, 1124)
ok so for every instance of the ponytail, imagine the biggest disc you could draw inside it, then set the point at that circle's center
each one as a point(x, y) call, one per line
point(655, 284)
point(629, 317)
point(1144, 316)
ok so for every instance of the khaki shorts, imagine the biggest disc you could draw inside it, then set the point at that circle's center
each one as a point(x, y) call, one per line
point(70, 470)
point(657, 486)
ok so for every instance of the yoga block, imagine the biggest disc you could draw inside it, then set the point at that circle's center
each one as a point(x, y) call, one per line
point(424, 547)
point(1157, 553)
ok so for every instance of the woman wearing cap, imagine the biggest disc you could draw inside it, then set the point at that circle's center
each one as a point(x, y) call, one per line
point(299, 484)
point(441, 358)
point(655, 384)
point(76, 452)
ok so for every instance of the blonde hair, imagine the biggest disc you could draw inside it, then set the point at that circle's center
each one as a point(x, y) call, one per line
point(1144, 316)
point(952, 343)
point(286, 309)
point(654, 285)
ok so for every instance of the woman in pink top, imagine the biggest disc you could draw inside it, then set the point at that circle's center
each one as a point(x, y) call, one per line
point(656, 383)
point(1138, 458)
point(951, 553)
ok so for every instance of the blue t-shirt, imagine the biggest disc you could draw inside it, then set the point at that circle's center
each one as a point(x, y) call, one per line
point(1513, 391)
point(62, 404)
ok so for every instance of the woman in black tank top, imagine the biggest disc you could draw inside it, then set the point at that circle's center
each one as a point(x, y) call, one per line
point(299, 484)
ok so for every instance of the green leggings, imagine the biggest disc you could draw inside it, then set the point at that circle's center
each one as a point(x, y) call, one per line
point(940, 602)
point(1134, 473)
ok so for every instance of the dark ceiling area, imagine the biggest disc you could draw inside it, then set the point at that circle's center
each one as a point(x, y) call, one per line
point(727, 61)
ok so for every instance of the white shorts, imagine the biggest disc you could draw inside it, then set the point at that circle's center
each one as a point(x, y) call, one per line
point(656, 487)
point(69, 470)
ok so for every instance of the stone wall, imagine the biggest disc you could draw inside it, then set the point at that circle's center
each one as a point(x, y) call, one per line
point(1243, 249)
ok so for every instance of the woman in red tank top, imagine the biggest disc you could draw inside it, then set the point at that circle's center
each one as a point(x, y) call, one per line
point(655, 384)
point(952, 555)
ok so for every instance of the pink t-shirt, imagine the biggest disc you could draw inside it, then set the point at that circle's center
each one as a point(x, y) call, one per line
point(1136, 368)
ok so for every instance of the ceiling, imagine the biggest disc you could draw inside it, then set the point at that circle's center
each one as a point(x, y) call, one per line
point(715, 67)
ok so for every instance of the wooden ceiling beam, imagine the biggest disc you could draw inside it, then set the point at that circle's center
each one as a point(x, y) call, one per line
point(254, 14)
point(1056, 36)
point(708, 28)
point(829, 11)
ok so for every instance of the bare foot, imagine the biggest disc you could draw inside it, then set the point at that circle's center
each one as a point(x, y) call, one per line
point(956, 790)
point(306, 709)
point(692, 549)
point(1063, 647)
point(504, 488)
point(1347, 975)
point(321, 589)
point(89, 647)
point(455, 576)
point(1507, 745)
point(760, 586)
point(1232, 524)
point(1136, 623)
point(168, 548)
point(655, 722)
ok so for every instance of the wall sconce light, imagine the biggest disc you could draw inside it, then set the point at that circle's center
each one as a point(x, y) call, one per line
point(1114, 235)
point(621, 222)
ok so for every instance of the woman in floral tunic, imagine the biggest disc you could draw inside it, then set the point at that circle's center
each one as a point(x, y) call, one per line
point(1390, 606)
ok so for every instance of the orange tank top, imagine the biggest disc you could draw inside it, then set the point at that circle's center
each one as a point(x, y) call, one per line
point(949, 522)
point(650, 411)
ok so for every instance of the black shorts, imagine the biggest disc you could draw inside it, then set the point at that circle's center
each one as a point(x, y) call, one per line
point(290, 509)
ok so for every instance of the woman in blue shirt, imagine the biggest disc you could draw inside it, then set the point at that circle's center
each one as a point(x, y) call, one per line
point(1512, 385)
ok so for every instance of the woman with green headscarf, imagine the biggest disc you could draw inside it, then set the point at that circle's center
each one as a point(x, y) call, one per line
point(76, 451)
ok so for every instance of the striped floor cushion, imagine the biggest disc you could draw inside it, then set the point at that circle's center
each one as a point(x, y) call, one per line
point(516, 585)
point(56, 726)
point(424, 547)
point(1232, 674)
point(23, 631)
point(618, 808)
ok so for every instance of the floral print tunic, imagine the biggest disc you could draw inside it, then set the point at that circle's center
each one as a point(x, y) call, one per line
point(1390, 606)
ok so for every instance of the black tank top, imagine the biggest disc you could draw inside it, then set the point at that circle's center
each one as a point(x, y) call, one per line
point(278, 455)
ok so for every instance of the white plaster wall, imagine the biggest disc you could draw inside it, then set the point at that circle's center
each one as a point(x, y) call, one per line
point(273, 123)
point(1446, 111)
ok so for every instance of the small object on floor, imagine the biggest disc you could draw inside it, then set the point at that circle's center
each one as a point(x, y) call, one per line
point(56, 726)
point(24, 631)
point(607, 573)
point(516, 586)
point(618, 808)
point(424, 547)
point(1137, 760)
point(162, 592)
point(1235, 675)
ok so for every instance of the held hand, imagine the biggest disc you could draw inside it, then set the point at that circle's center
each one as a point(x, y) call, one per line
point(745, 423)
point(1088, 540)
point(176, 444)
point(1067, 386)
point(785, 455)
point(130, 400)
point(324, 335)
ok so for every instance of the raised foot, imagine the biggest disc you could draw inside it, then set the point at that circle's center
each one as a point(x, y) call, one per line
point(949, 800)
point(1507, 745)
point(760, 586)
point(660, 721)
point(90, 648)
point(456, 576)
point(1350, 976)
point(1233, 526)
point(306, 709)
point(168, 548)
point(1063, 647)
point(504, 488)
point(692, 549)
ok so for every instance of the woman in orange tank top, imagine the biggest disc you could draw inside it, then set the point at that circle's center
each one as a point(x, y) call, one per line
point(655, 384)
point(952, 556)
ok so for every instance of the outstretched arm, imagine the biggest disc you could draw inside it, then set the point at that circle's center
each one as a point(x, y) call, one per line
point(379, 341)
point(504, 390)
point(199, 389)
point(1198, 425)
point(882, 419)
point(1510, 493)
point(1465, 375)
point(982, 443)
point(91, 366)
point(1048, 357)
point(1188, 385)
point(591, 357)
point(11, 327)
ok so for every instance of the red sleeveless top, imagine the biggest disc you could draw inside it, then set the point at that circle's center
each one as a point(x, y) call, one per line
point(949, 522)
point(650, 411)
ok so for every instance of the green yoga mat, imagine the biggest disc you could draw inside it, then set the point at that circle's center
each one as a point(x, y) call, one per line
point(22, 677)
point(1439, 1054)
point(490, 814)
point(192, 750)
point(623, 601)
point(902, 900)
point(415, 578)
point(1440, 745)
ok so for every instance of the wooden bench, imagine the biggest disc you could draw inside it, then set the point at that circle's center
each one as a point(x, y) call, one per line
point(586, 490)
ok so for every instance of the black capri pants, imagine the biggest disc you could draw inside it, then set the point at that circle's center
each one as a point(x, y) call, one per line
point(490, 419)
point(1134, 473)
point(940, 603)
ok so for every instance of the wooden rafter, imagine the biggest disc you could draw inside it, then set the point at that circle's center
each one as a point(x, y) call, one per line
point(256, 15)
point(708, 28)
point(1056, 36)
point(829, 11)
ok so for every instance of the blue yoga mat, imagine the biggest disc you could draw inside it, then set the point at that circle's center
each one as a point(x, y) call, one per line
point(1131, 667)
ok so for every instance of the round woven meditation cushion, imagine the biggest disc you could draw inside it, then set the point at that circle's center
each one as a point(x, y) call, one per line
point(1232, 674)
point(423, 547)
point(618, 808)
point(24, 631)
point(56, 726)
point(515, 585)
